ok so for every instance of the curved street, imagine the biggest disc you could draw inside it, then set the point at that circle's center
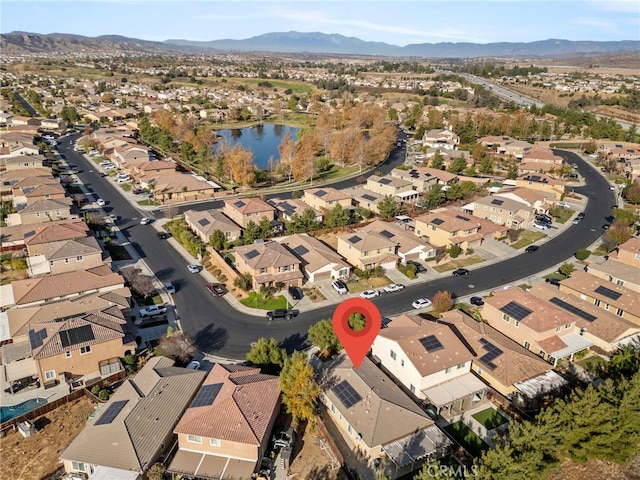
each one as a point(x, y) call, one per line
point(220, 330)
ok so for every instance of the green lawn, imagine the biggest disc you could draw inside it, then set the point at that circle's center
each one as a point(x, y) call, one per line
point(458, 263)
point(490, 418)
point(148, 201)
point(561, 215)
point(591, 364)
point(527, 237)
point(367, 284)
point(125, 186)
point(335, 172)
point(471, 442)
point(257, 300)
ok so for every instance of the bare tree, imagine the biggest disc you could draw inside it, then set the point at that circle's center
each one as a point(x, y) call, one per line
point(177, 345)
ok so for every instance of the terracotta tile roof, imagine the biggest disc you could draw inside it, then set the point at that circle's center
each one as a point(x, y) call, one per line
point(157, 165)
point(389, 181)
point(53, 286)
point(47, 205)
point(314, 254)
point(242, 409)
point(13, 175)
point(405, 240)
point(330, 194)
point(52, 232)
point(71, 248)
point(268, 254)
point(583, 283)
point(366, 241)
point(180, 182)
point(248, 205)
point(450, 220)
point(291, 206)
point(208, 221)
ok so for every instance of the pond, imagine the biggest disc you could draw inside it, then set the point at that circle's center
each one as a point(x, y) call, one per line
point(262, 140)
point(7, 413)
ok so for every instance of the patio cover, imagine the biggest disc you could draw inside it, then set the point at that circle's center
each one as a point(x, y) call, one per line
point(22, 369)
point(575, 343)
point(108, 473)
point(541, 384)
point(454, 389)
point(210, 466)
point(416, 446)
point(633, 341)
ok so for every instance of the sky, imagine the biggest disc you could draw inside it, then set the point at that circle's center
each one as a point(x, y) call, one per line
point(396, 22)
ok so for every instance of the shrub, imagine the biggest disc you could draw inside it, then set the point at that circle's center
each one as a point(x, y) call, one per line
point(19, 263)
point(454, 251)
point(583, 254)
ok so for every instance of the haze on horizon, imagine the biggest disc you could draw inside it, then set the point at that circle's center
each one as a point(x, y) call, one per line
point(394, 22)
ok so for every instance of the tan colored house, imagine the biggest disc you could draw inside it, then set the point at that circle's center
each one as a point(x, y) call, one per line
point(542, 155)
point(36, 237)
point(11, 177)
point(546, 329)
point(628, 252)
point(42, 211)
point(388, 185)
point(441, 138)
point(129, 156)
point(204, 223)
point(53, 124)
point(148, 172)
point(135, 427)
point(422, 178)
point(226, 430)
point(22, 162)
point(550, 186)
point(363, 198)
point(245, 210)
point(367, 250)
point(319, 262)
point(621, 267)
point(617, 299)
point(376, 418)
point(183, 187)
point(35, 291)
point(287, 208)
point(75, 254)
point(268, 263)
point(326, 198)
point(32, 189)
point(444, 228)
point(503, 211)
point(409, 247)
point(540, 201)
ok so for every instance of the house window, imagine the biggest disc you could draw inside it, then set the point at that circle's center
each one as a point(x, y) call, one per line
point(215, 442)
point(462, 365)
point(505, 317)
point(619, 312)
point(51, 262)
point(67, 354)
point(79, 258)
point(58, 212)
point(78, 466)
point(50, 374)
point(66, 260)
point(263, 270)
point(333, 408)
point(567, 326)
point(541, 354)
point(606, 306)
point(350, 429)
point(516, 323)
point(448, 370)
point(558, 329)
point(85, 350)
point(433, 227)
point(194, 439)
point(620, 282)
point(596, 302)
point(402, 362)
point(393, 355)
point(479, 371)
point(527, 345)
point(366, 253)
point(412, 388)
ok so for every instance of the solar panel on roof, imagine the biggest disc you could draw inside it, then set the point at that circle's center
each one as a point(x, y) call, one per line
point(36, 338)
point(206, 395)
point(495, 201)
point(346, 394)
point(571, 309)
point(413, 171)
point(492, 352)
point(204, 222)
point(287, 208)
point(607, 292)
point(76, 335)
point(111, 412)
point(387, 234)
point(239, 204)
point(252, 254)
point(320, 193)
point(460, 217)
point(437, 221)
point(431, 343)
point(371, 198)
point(301, 250)
point(515, 310)
point(354, 239)
point(30, 233)
point(385, 181)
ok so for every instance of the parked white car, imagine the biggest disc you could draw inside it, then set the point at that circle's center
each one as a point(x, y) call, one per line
point(101, 202)
point(394, 287)
point(153, 310)
point(370, 294)
point(145, 221)
point(193, 268)
point(421, 303)
point(563, 204)
point(340, 287)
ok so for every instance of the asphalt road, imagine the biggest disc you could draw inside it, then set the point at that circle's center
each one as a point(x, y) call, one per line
point(220, 330)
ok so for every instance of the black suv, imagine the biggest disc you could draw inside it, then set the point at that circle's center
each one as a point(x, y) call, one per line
point(419, 267)
point(163, 235)
point(285, 313)
point(460, 272)
point(296, 293)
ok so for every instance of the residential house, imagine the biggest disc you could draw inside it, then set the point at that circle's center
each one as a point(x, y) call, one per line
point(18, 120)
point(18, 149)
point(326, 198)
point(553, 187)
point(504, 364)
point(183, 187)
point(400, 190)
point(603, 328)
point(614, 298)
point(23, 162)
point(204, 223)
point(70, 255)
point(621, 267)
point(11, 177)
point(287, 208)
point(268, 263)
point(545, 328)
point(135, 427)
point(226, 430)
point(367, 250)
point(506, 145)
point(32, 189)
point(441, 138)
point(318, 261)
point(539, 160)
point(447, 156)
point(376, 418)
point(42, 211)
point(148, 172)
point(50, 288)
point(409, 247)
point(363, 198)
point(423, 178)
point(55, 124)
point(37, 236)
point(444, 228)
point(245, 210)
point(430, 361)
point(502, 211)
point(129, 156)
point(540, 201)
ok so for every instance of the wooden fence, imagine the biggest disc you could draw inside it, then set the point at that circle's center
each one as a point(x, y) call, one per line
point(48, 407)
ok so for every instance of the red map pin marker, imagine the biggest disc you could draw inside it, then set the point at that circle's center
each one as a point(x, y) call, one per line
point(356, 344)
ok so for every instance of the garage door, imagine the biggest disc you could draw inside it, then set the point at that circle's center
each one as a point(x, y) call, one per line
point(321, 276)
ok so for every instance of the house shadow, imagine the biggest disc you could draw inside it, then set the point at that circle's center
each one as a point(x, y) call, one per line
point(211, 339)
point(294, 342)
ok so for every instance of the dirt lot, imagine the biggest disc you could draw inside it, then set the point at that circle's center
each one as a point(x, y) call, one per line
point(311, 462)
point(598, 470)
point(36, 457)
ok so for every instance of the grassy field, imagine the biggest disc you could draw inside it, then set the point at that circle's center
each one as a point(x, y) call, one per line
point(367, 284)
point(257, 300)
point(527, 237)
point(490, 418)
point(471, 442)
point(591, 364)
point(458, 263)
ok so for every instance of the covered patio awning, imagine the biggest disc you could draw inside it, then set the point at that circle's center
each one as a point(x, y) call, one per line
point(416, 446)
point(541, 384)
point(454, 389)
point(210, 466)
point(108, 473)
point(22, 369)
point(575, 343)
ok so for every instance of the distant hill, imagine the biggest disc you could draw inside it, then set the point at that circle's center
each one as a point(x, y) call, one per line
point(313, 42)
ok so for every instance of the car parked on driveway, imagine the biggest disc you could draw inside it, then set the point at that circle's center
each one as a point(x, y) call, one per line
point(193, 365)
point(101, 202)
point(460, 272)
point(541, 226)
point(216, 289)
point(340, 287)
point(296, 293)
point(394, 287)
point(152, 311)
point(369, 294)
point(419, 267)
point(421, 303)
point(553, 281)
point(477, 301)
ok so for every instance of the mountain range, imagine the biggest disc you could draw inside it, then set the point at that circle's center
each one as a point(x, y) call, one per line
point(310, 42)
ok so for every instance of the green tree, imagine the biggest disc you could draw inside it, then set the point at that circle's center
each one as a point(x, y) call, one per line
point(458, 165)
point(337, 217)
point(322, 335)
point(300, 391)
point(388, 207)
point(69, 114)
point(583, 253)
point(244, 281)
point(251, 233)
point(434, 196)
point(437, 161)
point(486, 165)
point(566, 269)
point(268, 355)
point(512, 172)
point(218, 240)
point(627, 216)
point(187, 152)
point(357, 322)
point(265, 228)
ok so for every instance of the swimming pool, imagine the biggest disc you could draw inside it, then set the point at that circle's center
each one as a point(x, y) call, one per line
point(7, 413)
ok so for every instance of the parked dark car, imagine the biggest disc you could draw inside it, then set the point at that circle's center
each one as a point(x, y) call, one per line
point(542, 218)
point(460, 272)
point(296, 293)
point(419, 267)
point(216, 289)
point(163, 235)
point(553, 281)
point(531, 248)
point(477, 301)
point(285, 313)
